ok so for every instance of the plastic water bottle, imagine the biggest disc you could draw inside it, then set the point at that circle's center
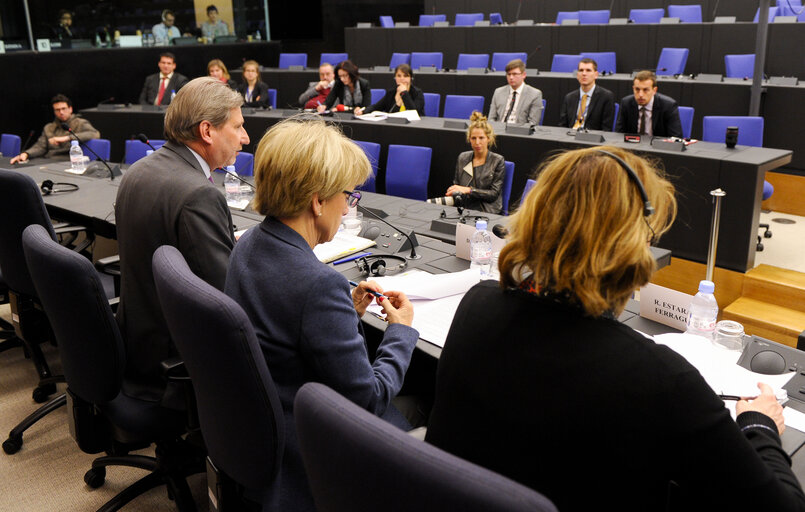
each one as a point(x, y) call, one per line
point(703, 312)
point(76, 156)
point(481, 249)
point(231, 186)
point(173, 95)
point(149, 152)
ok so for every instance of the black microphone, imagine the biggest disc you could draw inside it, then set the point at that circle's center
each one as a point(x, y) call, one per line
point(142, 138)
point(107, 100)
point(500, 231)
point(66, 127)
point(517, 14)
point(238, 177)
point(412, 241)
point(30, 136)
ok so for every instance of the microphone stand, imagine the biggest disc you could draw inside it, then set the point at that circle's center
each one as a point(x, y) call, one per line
point(142, 138)
point(69, 130)
point(413, 255)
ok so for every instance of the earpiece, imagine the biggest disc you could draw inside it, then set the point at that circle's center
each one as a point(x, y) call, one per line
point(376, 266)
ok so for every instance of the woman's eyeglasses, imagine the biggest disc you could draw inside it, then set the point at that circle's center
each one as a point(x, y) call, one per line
point(353, 197)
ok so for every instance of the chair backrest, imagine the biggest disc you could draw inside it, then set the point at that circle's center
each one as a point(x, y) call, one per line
point(542, 114)
point(686, 119)
point(615, 119)
point(377, 95)
point(500, 59)
point(740, 66)
point(686, 13)
point(372, 150)
point(468, 19)
point(386, 22)
point(772, 14)
point(672, 61)
point(506, 192)
point(136, 150)
point(426, 59)
point(90, 344)
point(216, 340)
point(292, 59)
point(10, 144)
point(563, 63)
point(333, 58)
point(750, 129)
point(607, 61)
point(566, 15)
point(789, 7)
point(646, 15)
point(407, 171)
point(472, 60)
point(427, 20)
point(495, 18)
point(272, 98)
point(594, 17)
point(529, 184)
point(373, 460)
point(20, 206)
point(399, 58)
point(101, 146)
point(433, 102)
point(244, 164)
point(457, 106)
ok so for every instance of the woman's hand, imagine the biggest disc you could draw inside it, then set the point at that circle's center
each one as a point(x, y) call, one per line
point(321, 108)
point(361, 298)
point(397, 307)
point(358, 111)
point(457, 188)
point(765, 403)
point(401, 88)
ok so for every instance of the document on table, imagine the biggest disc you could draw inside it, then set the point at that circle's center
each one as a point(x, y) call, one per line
point(411, 115)
point(342, 244)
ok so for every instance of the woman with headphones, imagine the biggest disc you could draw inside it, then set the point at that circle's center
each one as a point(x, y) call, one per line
point(405, 96)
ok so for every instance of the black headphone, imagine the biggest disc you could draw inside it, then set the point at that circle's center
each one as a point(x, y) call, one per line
point(648, 210)
point(48, 187)
point(375, 265)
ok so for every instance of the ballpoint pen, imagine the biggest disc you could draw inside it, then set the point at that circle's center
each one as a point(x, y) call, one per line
point(378, 295)
point(351, 257)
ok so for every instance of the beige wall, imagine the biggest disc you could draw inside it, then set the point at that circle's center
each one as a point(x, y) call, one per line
point(224, 12)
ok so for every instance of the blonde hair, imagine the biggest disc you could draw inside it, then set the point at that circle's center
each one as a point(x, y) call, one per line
point(478, 121)
point(300, 157)
point(256, 66)
point(220, 64)
point(202, 99)
point(581, 228)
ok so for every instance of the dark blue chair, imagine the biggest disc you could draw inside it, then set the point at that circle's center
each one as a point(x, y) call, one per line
point(356, 461)
point(495, 18)
point(223, 358)
point(506, 191)
point(529, 184)
point(563, 63)
point(457, 106)
point(615, 119)
point(472, 60)
point(103, 147)
point(333, 58)
point(750, 129)
point(377, 95)
point(10, 145)
point(789, 7)
point(672, 61)
point(136, 150)
point(501, 59)
point(607, 61)
point(646, 15)
point(407, 171)
point(468, 19)
point(244, 164)
point(772, 14)
point(293, 59)
point(372, 150)
point(433, 102)
point(686, 13)
point(426, 59)
point(542, 114)
point(561, 16)
point(427, 20)
point(740, 66)
point(686, 119)
point(272, 98)
point(600, 17)
point(386, 22)
point(399, 58)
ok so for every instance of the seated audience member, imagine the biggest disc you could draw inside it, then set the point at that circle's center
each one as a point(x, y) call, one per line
point(516, 102)
point(253, 90)
point(537, 375)
point(349, 89)
point(590, 106)
point(165, 31)
point(306, 319)
point(316, 94)
point(405, 96)
point(480, 172)
point(648, 112)
point(159, 87)
point(217, 69)
point(55, 140)
point(65, 31)
point(213, 26)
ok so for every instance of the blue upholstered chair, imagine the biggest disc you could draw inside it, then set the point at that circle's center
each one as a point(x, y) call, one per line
point(399, 58)
point(542, 114)
point(427, 20)
point(607, 61)
point(772, 14)
point(387, 22)
point(615, 119)
point(500, 59)
point(750, 129)
point(599, 17)
point(672, 61)
point(563, 63)
point(10, 145)
point(529, 184)
point(495, 18)
point(407, 171)
point(426, 59)
point(506, 191)
point(372, 150)
point(244, 164)
point(103, 147)
point(561, 16)
point(134, 150)
point(433, 102)
point(468, 19)
point(472, 60)
point(272, 98)
point(686, 120)
point(333, 58)
point(458, 106)
point(293, 59)
point(646, 15)
point(740, 65)
point(686, 13)
point(377, 95)
point(789, 7)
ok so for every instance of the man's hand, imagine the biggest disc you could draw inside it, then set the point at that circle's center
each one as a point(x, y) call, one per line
point(22, 157)
point(55, 141)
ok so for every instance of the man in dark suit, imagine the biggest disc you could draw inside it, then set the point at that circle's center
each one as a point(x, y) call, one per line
point(168, 198)
point(590, 106)
point(159, 87)
point(648, 112)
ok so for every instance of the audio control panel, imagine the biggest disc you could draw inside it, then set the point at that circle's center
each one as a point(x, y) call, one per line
point(771, 358)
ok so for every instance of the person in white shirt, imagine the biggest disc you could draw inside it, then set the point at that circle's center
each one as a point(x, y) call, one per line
point(517, 102)
point(590, 106)
point(159, 87)
point(165, 31)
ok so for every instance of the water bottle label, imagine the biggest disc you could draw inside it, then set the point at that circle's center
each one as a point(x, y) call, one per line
point(703, 324)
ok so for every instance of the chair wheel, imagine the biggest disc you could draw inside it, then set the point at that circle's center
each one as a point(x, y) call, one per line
point(767, 234)
point(41, 394)
point(759, 247)
point(95, 477)
point(12, 445)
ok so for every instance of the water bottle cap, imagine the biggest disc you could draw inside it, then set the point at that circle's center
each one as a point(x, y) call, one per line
point(230, 168)
point(706, 286)
point(148, 152)
point(74, 143)
point(480, 225)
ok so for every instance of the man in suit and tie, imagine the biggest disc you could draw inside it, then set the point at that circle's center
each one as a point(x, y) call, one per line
point(159, 87)
point(516, 102)
point(590, 106)
point(169, 198)
point(648, 112)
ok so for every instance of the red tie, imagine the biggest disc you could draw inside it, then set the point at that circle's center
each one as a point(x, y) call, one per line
point(161, 90)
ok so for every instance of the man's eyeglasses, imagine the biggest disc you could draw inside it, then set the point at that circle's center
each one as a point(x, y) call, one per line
point(353, 196)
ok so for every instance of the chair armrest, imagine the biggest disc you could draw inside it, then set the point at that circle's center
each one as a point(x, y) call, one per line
point(109, 265)
point(175, 373)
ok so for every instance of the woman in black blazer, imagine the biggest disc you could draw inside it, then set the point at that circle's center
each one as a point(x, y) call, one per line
point(253, 90)
point(349, 88)
point(403, 97)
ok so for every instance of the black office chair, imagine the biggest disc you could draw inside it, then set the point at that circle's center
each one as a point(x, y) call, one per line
point(357, 462)
point(238, 406)
point(102, 417)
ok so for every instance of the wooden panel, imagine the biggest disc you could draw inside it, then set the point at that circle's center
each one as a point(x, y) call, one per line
point(776, 285)
point(768, 320)
point(789, 191)
point(684, 276)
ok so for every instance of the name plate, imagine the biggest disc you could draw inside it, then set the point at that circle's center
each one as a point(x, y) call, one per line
point(247, 111)
point(519, 129)
point(364, 25)
point(107, 106)
point(151, 108)
point(479, 71)
point(709, 77)
point(397, 120)
point(595, 138)
point(296, 67)
point(461, 125)
point(524, 23)
point(784, 80)
point(664, 305)
point(441, 24)
point(668, 145)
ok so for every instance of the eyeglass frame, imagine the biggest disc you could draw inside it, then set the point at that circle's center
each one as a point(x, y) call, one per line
point(353, 197)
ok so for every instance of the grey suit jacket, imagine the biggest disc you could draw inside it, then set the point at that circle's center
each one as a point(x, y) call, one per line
point(529, 106)
point(164, 199)
point(151, 88)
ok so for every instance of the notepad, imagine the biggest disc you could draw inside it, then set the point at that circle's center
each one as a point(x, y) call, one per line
point(342, 244)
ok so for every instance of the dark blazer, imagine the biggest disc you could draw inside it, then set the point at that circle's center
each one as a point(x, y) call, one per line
point(308, 329)
point(664, 116)
point(530, 386)
point(151, 88)
point(600, 113)
point(259, 95)
point(486, 182)
point(413, 100)
point(163, 199)
point(336, 95)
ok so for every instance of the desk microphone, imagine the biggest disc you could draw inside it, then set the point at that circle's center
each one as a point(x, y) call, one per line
point(66, 127)
point(413, 255)
point(500, 231)
point(107, 100)
point(142, 138)
point(30, 136)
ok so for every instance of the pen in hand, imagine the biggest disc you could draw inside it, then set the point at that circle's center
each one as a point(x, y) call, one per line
point(378, 295)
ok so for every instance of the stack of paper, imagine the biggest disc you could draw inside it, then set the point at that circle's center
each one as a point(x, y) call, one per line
point(342, 244)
